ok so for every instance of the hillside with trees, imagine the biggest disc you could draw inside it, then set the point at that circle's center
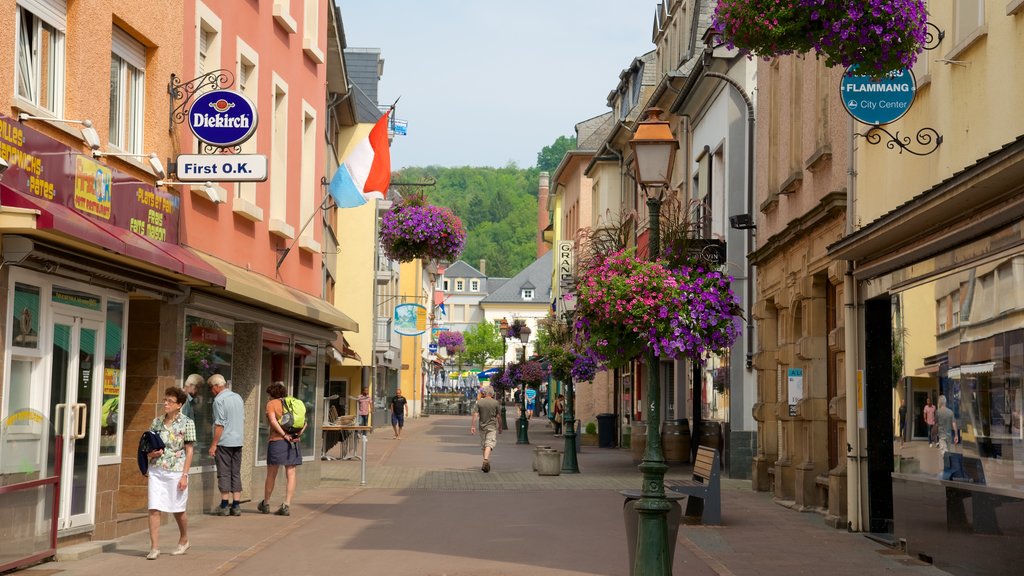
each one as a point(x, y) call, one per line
point(498, 206)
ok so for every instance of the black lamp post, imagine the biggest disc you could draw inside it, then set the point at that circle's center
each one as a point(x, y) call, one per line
point(522, 437)
point(654, 148)
point(503, 329)
point(570, 465)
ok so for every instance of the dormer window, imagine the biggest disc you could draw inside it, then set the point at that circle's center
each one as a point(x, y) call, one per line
point(474, 285)
point(445, 285)
point(527, 293)
point(460, 285)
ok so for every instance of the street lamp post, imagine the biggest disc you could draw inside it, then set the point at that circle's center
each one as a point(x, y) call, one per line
point(654, 147)
point(503, 329)
point(523, 437)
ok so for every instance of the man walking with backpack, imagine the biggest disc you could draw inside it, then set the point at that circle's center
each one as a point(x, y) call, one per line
point(226, 447)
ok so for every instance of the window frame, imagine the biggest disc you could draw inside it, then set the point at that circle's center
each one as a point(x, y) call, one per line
point(56, 65)
point(128, 97)
point(528, 293)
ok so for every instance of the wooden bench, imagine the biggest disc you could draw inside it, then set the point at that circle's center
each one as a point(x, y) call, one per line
point(705, 486)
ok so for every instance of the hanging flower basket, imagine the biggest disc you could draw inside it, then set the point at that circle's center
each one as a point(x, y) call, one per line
point(413, 229)
point(879, 36)
point(627, 306)
point(451, 341)
point(767, 28)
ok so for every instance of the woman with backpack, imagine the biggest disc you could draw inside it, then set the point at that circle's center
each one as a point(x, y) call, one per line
point(283, 449)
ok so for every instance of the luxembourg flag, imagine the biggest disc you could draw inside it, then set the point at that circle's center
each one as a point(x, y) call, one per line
point(366, 171)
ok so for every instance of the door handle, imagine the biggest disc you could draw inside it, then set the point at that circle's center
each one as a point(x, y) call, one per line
point(59, 416)
point(81, 421)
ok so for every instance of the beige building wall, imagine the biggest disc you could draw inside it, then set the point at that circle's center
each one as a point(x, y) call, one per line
point(971, 102)
point(800, 180)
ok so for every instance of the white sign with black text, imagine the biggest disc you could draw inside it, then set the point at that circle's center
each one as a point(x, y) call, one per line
point(221, 168)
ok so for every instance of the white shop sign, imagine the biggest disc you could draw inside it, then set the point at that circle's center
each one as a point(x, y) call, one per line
point(221, 168)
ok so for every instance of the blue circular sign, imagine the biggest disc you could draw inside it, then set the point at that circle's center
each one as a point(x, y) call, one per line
point(222, 118)
point(878, 101)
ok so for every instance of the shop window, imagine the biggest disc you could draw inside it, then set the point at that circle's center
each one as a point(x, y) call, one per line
point(127, 88)
point(208, 351)
point(275, 367)
point(304, 387)
point(113, 381)
point(39, 54)
point(25, 324)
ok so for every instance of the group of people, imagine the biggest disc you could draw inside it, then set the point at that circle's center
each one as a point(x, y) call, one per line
point(941, 423)
point(169, 466)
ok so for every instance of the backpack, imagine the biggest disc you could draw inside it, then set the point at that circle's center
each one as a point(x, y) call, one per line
point(294, 417)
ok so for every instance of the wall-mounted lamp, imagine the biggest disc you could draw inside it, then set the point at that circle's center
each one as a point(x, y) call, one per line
point(742, 222)
point(89, 135)
point(152, 158)
point(208, 191)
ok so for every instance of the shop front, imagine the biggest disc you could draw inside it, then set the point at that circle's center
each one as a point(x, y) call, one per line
point(939, 282)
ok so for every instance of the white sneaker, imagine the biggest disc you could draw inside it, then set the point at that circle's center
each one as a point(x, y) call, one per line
point(153, 555)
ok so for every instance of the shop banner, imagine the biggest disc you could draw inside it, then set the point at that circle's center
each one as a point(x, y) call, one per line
point(44, 168)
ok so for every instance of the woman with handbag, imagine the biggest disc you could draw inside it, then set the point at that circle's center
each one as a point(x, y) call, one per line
point(559, 411)
point(168, 471)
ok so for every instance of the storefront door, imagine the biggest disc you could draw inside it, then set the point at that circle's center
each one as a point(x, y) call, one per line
point(72, 385)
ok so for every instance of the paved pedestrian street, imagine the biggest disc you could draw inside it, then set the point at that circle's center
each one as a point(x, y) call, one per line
point(427, 509)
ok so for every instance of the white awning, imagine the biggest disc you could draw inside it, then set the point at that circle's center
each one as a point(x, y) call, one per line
point(972, 369)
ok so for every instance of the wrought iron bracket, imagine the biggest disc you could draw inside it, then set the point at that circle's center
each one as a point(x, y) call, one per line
point(181, 93)
point(933, 39)
point(926, 137)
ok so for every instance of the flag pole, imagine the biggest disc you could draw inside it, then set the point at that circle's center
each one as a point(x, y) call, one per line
point(285, 251)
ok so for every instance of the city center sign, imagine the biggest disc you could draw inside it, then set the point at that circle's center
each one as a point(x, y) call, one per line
point(878, 101)
point(222, 118)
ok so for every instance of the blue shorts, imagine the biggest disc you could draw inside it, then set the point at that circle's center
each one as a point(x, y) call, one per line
point(398, 420)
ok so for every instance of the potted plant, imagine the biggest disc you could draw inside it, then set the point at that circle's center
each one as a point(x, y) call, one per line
point(413, 229)
point(590, 435)
point(767, 28)
point(452, 341)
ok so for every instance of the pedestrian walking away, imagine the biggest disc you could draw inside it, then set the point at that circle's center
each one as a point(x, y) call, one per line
point(167, 484)
point(946, 426)
point(283, 449)
point(486, 415)
point(559, 410)
point(399, 410)
point(226, 447)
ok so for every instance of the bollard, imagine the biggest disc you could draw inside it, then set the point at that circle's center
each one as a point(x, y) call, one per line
point(549, 463)
point(362, 463)
point(536, 451)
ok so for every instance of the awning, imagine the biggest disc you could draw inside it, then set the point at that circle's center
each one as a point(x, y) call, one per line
point(261, 291)
point(73, 226)
point(972, 369)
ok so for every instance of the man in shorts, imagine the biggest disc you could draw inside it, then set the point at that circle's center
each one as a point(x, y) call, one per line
point(226, 446)
point(486, 413)
point(399, 410)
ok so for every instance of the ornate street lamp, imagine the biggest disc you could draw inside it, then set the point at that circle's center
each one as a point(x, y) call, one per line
point(503, 329)
point(654, 149)
point(522, 437)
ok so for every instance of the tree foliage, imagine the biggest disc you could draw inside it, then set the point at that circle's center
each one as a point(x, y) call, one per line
point(551, 156)
point(483, 343)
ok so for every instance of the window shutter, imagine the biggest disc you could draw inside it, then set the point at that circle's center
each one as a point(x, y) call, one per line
point(129, 49)
point(53, 12)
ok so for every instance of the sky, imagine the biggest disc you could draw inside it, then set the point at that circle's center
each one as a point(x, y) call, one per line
point(488, 82)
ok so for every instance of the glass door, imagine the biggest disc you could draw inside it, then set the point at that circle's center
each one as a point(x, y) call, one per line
point(72, 386)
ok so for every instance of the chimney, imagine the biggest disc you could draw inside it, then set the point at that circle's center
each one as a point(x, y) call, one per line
point(543, 218)
point(483, 266)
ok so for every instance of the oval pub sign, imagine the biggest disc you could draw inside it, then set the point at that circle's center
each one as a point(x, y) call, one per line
point(878, 101)
point(222, 118)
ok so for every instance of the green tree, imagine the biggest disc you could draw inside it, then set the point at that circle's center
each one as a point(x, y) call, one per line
point(551, 156)
point(483, 343)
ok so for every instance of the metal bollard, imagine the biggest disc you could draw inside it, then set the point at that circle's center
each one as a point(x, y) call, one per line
point(362, 463)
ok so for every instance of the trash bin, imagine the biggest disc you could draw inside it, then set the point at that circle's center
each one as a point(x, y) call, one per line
point(606, 430)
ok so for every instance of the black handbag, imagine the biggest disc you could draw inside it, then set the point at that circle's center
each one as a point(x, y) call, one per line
point(149, 442)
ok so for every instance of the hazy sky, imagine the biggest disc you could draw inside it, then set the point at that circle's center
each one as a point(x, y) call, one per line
point(486, 82)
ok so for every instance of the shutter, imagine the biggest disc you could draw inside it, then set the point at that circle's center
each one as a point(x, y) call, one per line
point(53, 12)
point(129, 49)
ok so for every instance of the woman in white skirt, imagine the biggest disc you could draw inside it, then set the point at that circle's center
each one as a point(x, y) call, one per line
point(168, 470)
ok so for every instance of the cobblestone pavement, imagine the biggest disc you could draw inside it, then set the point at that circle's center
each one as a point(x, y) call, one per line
point(427, 509)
